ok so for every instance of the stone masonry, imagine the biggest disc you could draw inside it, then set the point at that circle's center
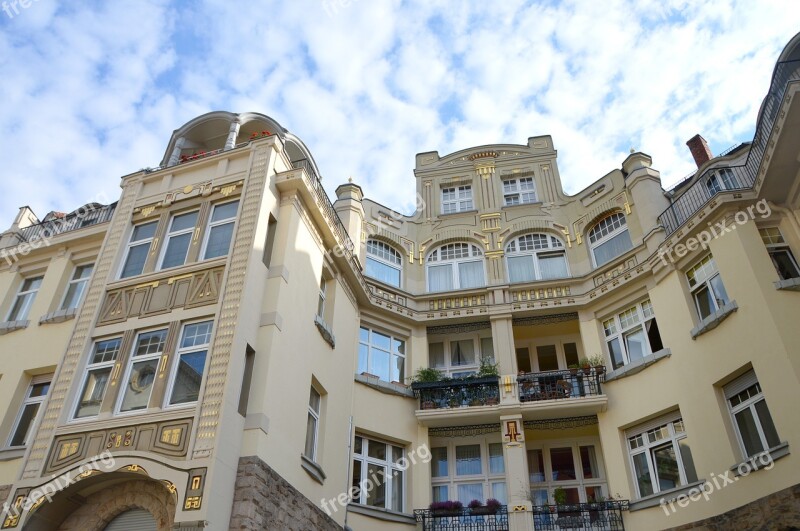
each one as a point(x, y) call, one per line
point(263, 500)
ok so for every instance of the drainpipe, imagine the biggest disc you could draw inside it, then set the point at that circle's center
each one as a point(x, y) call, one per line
point(789, 214)
point(349, 464)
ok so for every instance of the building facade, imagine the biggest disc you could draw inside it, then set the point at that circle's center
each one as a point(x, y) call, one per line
point(226, 348)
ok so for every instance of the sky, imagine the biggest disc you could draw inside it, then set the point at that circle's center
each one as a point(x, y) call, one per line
point(91, 91)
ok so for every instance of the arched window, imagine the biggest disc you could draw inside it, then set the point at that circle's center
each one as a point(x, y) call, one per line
point(721, 179)
point(383, 263)
point(536, 257)
point(609, 238)
point(455, 266)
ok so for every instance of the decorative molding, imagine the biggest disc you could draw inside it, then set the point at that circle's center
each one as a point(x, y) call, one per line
point(561, 424)
point(460, 328)
point(464, 431)
point(545, 319)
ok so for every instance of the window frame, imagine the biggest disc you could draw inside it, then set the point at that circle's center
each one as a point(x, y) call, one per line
point(131, 244)
point(29, 298)
point(459, 202)
point(462, 371)
point(28, 401)
point(169, 234)
point(580, 483)
point(749, 403)
point(517, 190)
point(621, 331)
point(323, 290)
point(316, 415)
point(126, 373)
point(698, 286)
point(475, 254)
point(720, 180)
point(776, 243)
point(597, 241)
point(175, 364)
point(393, 352)
point(486, 478)
point(89, 367)
point(391, 470)
point(554, 246)
point(75, 281)
point(383, 261)
point(211, 224)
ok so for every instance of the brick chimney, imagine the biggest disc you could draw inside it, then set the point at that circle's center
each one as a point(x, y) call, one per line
point(700, 150)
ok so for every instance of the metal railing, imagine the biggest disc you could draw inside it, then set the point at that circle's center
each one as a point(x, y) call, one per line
point(464, 392)
point(83, 217)
point(464, 519)
point(599, 516)
point(558, 385)
point(697, 195)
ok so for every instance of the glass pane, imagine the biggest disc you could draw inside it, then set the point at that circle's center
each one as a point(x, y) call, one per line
point(139, 385)
point(24, 425)
point(397, 492)
point(436, 354)
point(93, 392)
point(470, 491)
point(188, 378)
point(499, 492)
point(470, 275)
point(571, 353)
point(196, 334)
point(705, 303)
point(380, 364)
point(226, 211)
point(594, 494)
point(439, 462)
point(398, 368)
point(642, 473)
point(358, 444)
point(440, 493)
point(183, 222)
point(143, 232)
point(487, 347)
point(376, 450)
point(381, 341)
point(523, 360)
point(363, 357)
point(106, 350)
point(607, 251)
point(615, 350)
point(440, 277)
point(767, 426)
point(784, 264)
point(573, 496)
point(219, 241)
point(462, 352)
point(134, 263)
point(468, 460)
point(687, 460)
point(150, 343)
point(553, 265)
point(536, 466)
point(719, 291)
point(356, 480)
point(520, 269)
point(177, 248)
point(748, 432)
point(636, 343)
point(311, 437)
point(383, 272)
point(376, 497)
point(589, 462)
point(653, 335)
point(666, 463)
point(539, 497)
point(397, 454)
point(74, 294)
point(21, 306)
point(563, 465)
point(314, 399)
point(39, 389)
point(496, 462)
point(548, 360)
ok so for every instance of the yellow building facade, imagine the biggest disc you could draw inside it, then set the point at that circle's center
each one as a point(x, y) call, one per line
point(224, 347)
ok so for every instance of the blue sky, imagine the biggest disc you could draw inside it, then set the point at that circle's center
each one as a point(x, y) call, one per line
point(92, 91)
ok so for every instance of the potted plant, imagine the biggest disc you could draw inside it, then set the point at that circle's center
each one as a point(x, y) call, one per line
point(560, 496)
point(598, 363)
point(491, 507)
point(585, 364)
point(426, 375)
point(487, 369)
point(573, 369)
point(446, 508)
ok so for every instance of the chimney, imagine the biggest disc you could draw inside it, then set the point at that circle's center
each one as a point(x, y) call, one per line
point(700, 150)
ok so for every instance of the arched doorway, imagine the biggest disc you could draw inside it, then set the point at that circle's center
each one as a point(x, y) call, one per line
point(133, 520)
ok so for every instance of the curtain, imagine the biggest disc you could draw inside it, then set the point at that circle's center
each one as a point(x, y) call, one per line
point(607, 251)
point(553, 265)
point(470, 274)
point(520, 268)
point(440, 277)
point(468, 460)
point(462, 352)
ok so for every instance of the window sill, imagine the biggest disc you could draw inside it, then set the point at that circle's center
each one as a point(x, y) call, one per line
point(381, 514)
point(313, 469)
point(471, 211)
point(790, 284)
point(712, 321)
point(393, 388)
point(532, 203)
point(654, 500)
point(638, 365)
point(58, 316)
point(12, 452)
point(325, 331)
point(9, 326)
point(754, 463)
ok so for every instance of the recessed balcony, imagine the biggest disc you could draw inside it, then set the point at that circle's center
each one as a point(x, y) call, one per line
point(452, 401)
point(604, 515)
point(463, 519)
point(571, 392)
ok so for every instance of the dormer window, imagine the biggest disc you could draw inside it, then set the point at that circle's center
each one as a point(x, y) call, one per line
point(519, 191)
point(456, 199)
point(455, 266)
point(609, 238)
point(383, 263)
point(721, 179)
point(536, 257)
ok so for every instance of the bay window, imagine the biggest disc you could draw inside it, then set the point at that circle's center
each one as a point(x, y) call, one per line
point(383, 263)
point(381, 466)
point(536, 257)
point(706, 285)
point(632, 334)
point(574, 466)
point(660, 456)
point(455, 266)
point(609, 239)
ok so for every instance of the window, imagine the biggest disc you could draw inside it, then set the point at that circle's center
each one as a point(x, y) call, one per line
point(34, 396)
point(661, 458)
point(382, 355)
point(571, 465)
point(76, 287)
point(138, 249)
point(377, 464)
point(779, 252)
point(312, 426)
point(754, 427)
point(609, 238)
point(455, 266)
point(721, 179)
point(519, 191)
point(141, 371)
point(456, 199)
point(459, 358)
point(190, 363)
point(321, 302)
point(473, 470)
point(707, 288)
point(383, 263)
point(536, 257)
point(178, 239)
point(22, 304)
point(98, 373)
point(632, 334)
point(220, 230)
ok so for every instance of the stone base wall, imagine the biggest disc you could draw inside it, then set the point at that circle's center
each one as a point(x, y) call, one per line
point(5, 490)
point(263, 500)
point(777, 512)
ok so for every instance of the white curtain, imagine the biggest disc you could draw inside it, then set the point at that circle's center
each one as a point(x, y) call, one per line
point(468, 460)
point(614, 247)
point(553, 265)
point(520, 268)
point(469, 492)
point(470, 275)
point(440, 277)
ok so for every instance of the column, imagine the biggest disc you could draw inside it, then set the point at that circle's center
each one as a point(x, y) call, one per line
point(517, 481)
point(233, 134)
point(176, 151)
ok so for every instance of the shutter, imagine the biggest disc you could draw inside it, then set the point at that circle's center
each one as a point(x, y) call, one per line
point(740, 384)
point(133, 520)
point(42, 378)
point(649, 425)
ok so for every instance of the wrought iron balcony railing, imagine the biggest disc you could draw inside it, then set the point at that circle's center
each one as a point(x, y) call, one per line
point(463, 519)
point(599, 516)
point(556, 385)
point(458, 393)
point(86, 216)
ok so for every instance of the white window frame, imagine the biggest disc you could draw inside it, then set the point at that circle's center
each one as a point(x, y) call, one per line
point(461, 200)
point(90, 367)
point(391, 470)
point(397, 348)
point(131, 244)
point(218, 223)
point(747, 382)
point(473, 254)
point(480, 344)
point(540, 244)
point(132, 359)
point(486, 478)
point(580, 482)
point(172, 234)
point(671, 423)
point(323, 288)
point(315, 414)
point(179, 351)
point(518, 187)
point(28, 296)
point(620, 325)
point(606, 229)
point(775, 243)
point(387, 256)
point(28, 401)
point(77, 281)
point(705, 270)
point(720, 180)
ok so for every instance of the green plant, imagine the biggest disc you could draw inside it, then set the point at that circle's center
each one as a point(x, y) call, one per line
point(597, 360)
point(488, 368)
point(585, 363)
point(428, 374)
point(560, 496)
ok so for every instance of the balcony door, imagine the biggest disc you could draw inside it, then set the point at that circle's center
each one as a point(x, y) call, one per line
point(549, 353)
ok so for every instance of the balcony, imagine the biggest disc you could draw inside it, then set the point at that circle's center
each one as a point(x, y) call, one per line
point(562, 393)
point(91, 214)
point(463, 519)
point(451, 401)
point(599, 516)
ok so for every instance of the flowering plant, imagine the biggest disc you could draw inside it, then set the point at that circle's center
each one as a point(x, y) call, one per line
point(446, 506)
